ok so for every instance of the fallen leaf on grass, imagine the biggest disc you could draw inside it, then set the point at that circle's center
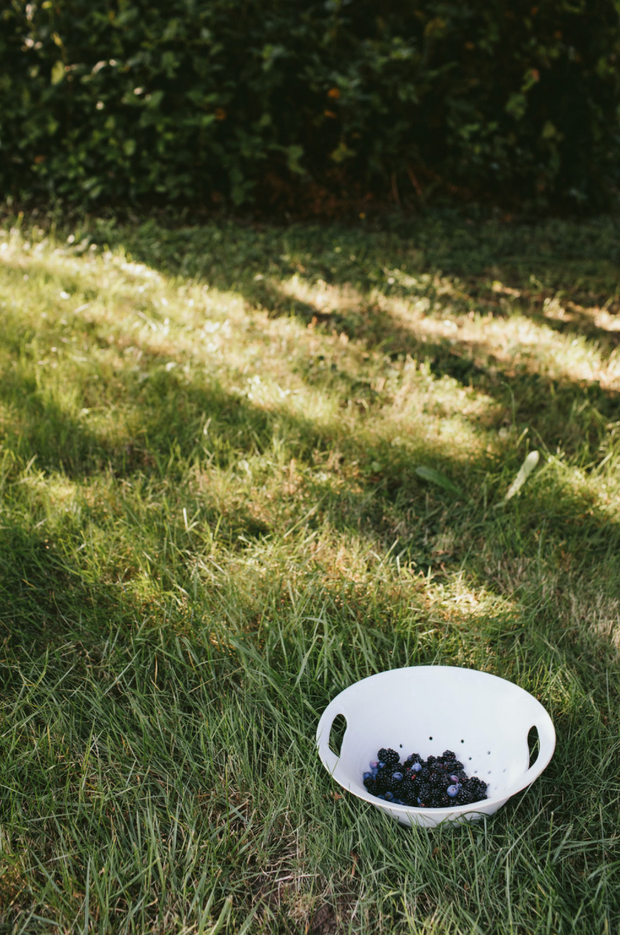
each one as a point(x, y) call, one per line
point(439, 479)
point(524, 472)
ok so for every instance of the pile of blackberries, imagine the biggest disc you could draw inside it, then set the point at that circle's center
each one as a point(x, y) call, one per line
point(437, 782)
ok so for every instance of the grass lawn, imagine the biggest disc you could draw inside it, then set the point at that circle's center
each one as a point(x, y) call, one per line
point(212, 521)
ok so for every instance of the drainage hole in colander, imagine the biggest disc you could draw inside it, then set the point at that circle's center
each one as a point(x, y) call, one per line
point(462, 741)
point(430, 738)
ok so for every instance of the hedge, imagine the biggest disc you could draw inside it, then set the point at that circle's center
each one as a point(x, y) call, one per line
point(246, 101)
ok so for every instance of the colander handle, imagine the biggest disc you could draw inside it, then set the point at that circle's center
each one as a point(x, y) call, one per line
point(331, 712)
point(546, 746)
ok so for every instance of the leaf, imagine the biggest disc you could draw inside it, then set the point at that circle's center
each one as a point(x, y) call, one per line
point(436, 477)
point(524, 472)
point(342, 152)
point(549, 131)
point(293, 155)
point(516, 106)
point(58, 72)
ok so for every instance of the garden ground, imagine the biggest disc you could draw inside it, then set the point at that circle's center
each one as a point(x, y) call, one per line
point(212, 521)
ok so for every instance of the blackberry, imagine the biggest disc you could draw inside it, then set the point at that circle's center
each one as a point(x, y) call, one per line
point(393, 783)
point(408, 792)
point(424, 790)
point(382, 779)
point(389, 757)
point(413, 758)
point(475, 789)
point(437, 782)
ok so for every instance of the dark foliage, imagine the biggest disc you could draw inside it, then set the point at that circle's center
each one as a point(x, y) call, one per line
point(272, 101)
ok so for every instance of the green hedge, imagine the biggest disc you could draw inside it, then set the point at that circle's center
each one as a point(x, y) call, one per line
point(254, 100)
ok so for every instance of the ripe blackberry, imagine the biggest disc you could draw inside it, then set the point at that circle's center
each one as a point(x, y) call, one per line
point(424, 783)
point(424, 790)
point(389, 757)
point(394, 782)
point(408, 792)
point(475, 789)
point(413, 758)
point(382, 779)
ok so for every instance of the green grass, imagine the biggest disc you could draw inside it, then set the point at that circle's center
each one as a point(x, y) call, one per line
point(212, 521)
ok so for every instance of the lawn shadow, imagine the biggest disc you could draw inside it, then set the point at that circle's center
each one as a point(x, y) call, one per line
point(561, 408)
point(436, 531)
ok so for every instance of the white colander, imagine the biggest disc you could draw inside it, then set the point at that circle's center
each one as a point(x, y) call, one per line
point(428, 709)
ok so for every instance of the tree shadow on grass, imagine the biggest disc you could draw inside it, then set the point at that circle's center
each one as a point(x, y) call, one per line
point(565, 411)
point(298, 654)
point(166, 414)
point(40, 590)
point(384, 502)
